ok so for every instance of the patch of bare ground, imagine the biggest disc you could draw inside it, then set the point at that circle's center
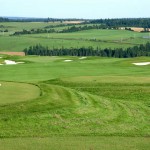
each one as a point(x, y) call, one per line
point(13, 53)
point(73, 22)
point(136, 29)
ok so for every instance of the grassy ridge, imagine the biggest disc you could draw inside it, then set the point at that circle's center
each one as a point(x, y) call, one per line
point(67, 111)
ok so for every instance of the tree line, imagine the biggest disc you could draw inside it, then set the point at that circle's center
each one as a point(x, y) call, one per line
point(124, 22)
point(3, 28)
point(26, 19)
point(65, 30)
point(120, 22)
point(86, 27)
point(62, 25)
point(4, 19)
point(34, 31)
point(136, 51)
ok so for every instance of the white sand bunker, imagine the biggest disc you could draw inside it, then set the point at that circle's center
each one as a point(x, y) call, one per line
point(83, 58)
point(10, 62)
point(142, 63)
point(68, 60)
point(1, 64)
point(1, 57)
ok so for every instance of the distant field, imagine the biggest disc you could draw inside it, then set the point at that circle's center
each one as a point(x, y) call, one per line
point(18, 26)
point(95, 38)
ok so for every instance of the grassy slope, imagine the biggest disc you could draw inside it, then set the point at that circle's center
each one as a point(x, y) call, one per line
point(112, 99)
point(97, 34)
point(19, 26)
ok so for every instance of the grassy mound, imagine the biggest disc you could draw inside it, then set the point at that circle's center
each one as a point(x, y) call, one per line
point(12, 92)
point(80, 108)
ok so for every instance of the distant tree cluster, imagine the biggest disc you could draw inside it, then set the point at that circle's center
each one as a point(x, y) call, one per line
point(124, 22)
point(59, 25)
point(146, 30)
point(85, 27)
point(129, 29)
point(4, 19)
point(63, 25)
point(34, 31)
point(61, 20)
point(65, 30)
point(5, 30)
point(141, 50)
point(26, 19)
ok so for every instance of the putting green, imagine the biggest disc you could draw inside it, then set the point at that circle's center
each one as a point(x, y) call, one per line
point(12, 92)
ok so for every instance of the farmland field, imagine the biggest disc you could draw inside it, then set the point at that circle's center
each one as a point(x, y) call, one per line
point(69, 102)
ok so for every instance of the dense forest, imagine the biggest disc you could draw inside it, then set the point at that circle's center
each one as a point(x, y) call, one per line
point(120, 22)
point(141, 50)
point(26, 19)
point(124, 22)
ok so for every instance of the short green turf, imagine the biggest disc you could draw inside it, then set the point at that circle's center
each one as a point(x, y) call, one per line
point(93, 96)
point(76, 143)
point(17, 92)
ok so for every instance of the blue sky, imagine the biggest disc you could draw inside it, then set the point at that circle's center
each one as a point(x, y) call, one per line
point(91, 9)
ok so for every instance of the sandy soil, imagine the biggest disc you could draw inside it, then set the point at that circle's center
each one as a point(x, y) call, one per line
point(73, 22)
point(10, 62)
point(137, 29)
point(68, 60)
point(134, 29)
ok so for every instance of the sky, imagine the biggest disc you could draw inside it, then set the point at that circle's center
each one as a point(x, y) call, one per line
point(87, 9)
